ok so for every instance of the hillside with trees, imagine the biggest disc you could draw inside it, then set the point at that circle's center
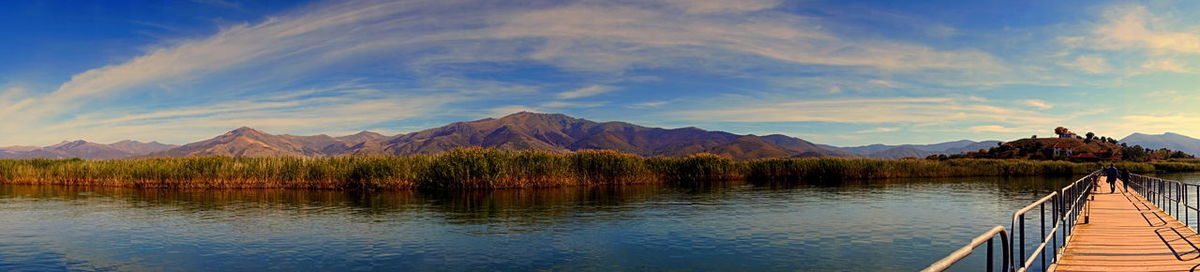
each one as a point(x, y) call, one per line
point(1069, 146)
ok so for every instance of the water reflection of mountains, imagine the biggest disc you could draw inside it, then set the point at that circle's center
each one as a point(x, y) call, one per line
point(510, 209)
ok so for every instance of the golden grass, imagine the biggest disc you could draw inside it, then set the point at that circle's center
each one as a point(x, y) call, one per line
point(482, 169)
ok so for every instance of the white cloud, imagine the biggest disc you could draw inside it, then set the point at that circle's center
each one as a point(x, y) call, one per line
point(351, 110)
point(1090, 63)
point(430, 41)
point(879, 130)
point(585, 92)
point(885, 83)
point(921, 110)
point(720, 6)
point(995, 129)
point(1040, 104)
point(611, 36)
point(566, 104)
point(1167, 64)
point(651, 104)
point(1159, 123)
point(1163, 93)
point(278, 51)
point(1133, 26)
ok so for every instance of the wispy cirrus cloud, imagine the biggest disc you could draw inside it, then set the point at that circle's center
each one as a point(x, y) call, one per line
point(1167, 64)
point(880, 130)
point(1134, 26)
point(996, 128)
point(1089, 63)
point(719, 6)
point(364, 64)
point(1037, 103)
point(616, 36)
point(910, 110)
point(585, 92)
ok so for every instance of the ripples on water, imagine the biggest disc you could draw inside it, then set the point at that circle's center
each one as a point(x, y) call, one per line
point(898, 225)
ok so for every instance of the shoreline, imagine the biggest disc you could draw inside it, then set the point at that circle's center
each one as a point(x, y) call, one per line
point(470, 169)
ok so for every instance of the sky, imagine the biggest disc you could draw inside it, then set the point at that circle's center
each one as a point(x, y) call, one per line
point(834, 72)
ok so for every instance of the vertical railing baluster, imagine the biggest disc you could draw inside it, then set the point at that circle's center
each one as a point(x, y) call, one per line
point(1054, 214)
point(989, 254)
point(1042, 217)
point(1022, 240)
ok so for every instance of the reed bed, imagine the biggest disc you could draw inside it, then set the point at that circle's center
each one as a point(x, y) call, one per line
point(484, 169)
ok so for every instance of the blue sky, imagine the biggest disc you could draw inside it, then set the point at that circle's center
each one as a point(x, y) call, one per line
point(835, 72)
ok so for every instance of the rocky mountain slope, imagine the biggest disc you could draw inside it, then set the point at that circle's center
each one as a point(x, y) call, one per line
point(520, 131)
point(881, 151)
point(1173, 141)
point(85, 150)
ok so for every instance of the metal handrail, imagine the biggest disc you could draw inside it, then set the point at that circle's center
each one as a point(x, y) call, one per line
point(1171, 196)
point(1067, 203)
point(958, 255)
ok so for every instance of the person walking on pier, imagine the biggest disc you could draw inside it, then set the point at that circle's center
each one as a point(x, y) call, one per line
point(1125, 179)
point(1110, 175)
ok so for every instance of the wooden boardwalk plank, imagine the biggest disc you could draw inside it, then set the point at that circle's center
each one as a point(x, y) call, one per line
point(1128, 233)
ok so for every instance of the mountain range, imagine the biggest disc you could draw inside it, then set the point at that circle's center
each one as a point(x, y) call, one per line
point(519, 131)
point(881, 151)
point(85, 149)
point(1172, 141)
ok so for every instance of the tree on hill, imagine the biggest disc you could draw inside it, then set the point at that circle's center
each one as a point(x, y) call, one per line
point(1135, 153)
point(1090, 135)
point(1060, 131)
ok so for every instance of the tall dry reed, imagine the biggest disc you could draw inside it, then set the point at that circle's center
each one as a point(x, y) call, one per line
point(481, 169)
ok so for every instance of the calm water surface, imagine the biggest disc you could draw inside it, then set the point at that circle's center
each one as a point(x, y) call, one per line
point(894, 225)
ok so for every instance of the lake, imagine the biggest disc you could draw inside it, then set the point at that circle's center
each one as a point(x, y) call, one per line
point(881, 225)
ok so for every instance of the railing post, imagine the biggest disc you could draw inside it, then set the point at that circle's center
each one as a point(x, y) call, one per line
point(989, 253)
point(1042, 216)
point(1054, 214)
point(1006, 258)
point(1022, 240)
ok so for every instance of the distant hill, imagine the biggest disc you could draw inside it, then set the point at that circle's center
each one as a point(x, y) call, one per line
point(562, 133)
point(917, 151)
point(85, 150)
point(249, 142)
point(1045, 149)
point(520, 131)
point(1167, 140)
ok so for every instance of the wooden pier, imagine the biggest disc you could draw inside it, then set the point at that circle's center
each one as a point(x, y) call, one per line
point(1125, 232)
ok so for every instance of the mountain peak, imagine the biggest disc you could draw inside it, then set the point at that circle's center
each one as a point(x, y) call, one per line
point(244, 130)
point(69, 144)
point(1168, 140)
point(361, 136)
point(519, 131)
point(528, 114)
point(366, 133)
point(525, 113)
